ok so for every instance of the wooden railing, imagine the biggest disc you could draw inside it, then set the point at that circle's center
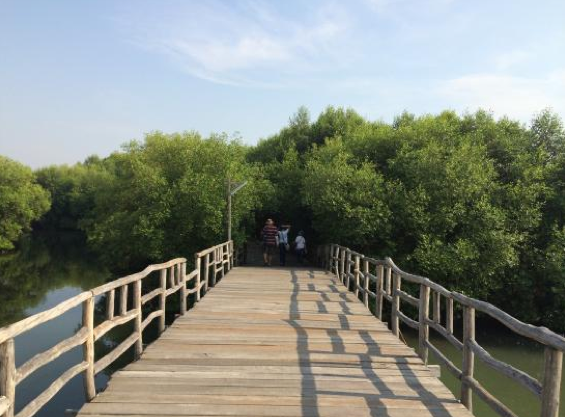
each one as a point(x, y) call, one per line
point(381, 280)
point(173, 279)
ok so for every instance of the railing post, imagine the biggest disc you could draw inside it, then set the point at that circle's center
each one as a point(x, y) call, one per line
point(162, 299)
point(551, 385)
point(110, 297)
point(449, 315)
point(138, 318)
point(197, 265)
point(356, 272)
point(206, 269)
point(123, 300)
point(348, 269)
point(437, 307)
point(394, 320)
point(424, 328)
point(222, 261)
point(182, 278)
point(379, 292)
point(468, 356)
point(230, 255)
point(8, 374)
point(332, 258)
point(366, 282)
point(213, 265)
point(342, 266)
point(388, 281)
point(171, 277)
point(336, 260)
point(88, 347)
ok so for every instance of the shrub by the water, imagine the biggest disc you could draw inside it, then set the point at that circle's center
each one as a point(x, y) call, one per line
point(22, 201)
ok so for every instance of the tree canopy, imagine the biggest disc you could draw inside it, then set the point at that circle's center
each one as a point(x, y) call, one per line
point(22, 201)
point(473, 202)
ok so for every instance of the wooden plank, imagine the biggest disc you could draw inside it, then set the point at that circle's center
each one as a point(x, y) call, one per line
point(265, 410)
point(312, 400)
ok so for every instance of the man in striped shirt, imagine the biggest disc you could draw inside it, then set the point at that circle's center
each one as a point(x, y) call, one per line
point(270, 241)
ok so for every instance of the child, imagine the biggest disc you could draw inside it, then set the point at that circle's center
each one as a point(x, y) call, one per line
point(300, 248)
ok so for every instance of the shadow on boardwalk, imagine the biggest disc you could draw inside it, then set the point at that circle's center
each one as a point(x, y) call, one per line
point(376, 403)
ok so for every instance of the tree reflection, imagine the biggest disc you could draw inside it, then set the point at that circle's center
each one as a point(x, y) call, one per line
point(44, 262)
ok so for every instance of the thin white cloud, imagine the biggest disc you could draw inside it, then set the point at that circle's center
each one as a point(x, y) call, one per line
point(510, 59)
point(233, 45)
point(381, 6)
point(517, 97)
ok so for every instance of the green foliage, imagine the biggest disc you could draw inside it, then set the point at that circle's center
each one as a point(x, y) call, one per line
point(72, 190)
point(22, 201)
point(344, 192)
point(166, 197)
point(547, 133)
point(475, 203)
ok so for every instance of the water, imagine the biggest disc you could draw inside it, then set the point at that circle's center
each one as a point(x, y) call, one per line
point(45, 271)
point(48, 270)
point(502, 345)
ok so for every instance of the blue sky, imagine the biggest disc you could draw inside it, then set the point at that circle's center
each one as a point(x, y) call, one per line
point(80, 78)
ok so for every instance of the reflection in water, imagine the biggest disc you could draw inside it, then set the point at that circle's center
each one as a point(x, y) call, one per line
point(47, 270)
point(44, 263)
point(505, 346)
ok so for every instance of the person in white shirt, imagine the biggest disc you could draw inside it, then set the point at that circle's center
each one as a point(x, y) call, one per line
point(283, 243)
point(300, 247)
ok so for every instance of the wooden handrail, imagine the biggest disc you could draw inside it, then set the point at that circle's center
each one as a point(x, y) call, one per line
point(4, 405)
point(388, 286)
point(15, 329)
point(175, 270)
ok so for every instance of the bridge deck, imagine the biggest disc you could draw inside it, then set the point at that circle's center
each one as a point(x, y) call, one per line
point(276, 342)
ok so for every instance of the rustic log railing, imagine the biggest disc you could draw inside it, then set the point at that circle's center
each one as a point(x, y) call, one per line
point(361, 274)
point(209, 264)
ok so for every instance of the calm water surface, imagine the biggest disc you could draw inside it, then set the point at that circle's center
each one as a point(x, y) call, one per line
point(45, 271)
point(49, 270)
point(505, 346)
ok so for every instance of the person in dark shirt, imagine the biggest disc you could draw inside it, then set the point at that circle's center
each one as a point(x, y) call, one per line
point(269, 235)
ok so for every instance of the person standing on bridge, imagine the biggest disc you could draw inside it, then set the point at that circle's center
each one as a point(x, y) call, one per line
point(269, 234)
point(283, 243)
point(300, 247)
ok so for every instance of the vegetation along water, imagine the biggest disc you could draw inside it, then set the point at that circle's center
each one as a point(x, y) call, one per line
point(475, 203)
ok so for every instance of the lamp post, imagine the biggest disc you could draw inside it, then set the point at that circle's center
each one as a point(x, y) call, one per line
point(231, 193)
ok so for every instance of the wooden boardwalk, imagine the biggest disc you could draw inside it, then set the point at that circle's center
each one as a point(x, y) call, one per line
point(277, 342)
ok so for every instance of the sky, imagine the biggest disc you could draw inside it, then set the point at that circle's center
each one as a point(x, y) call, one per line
point(84, 77)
